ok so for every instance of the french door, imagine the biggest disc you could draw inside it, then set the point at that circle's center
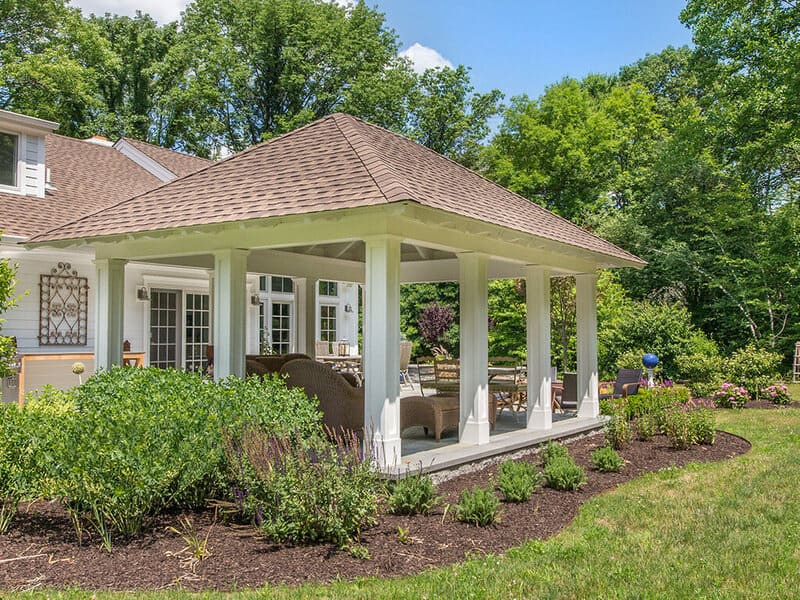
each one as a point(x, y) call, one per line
point(179, 329)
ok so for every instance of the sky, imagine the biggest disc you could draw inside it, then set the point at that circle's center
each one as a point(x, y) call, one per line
point(517, 46)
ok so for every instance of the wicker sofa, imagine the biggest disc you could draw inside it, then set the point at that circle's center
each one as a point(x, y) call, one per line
point(341, 403)
point(256, 364)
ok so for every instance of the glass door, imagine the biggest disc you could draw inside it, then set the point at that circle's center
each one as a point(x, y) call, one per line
point(197, 325)
point(164, 311)
point(281, 327)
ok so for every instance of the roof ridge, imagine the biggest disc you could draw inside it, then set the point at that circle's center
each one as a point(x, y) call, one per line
point(178, 152)
point(384, 186)
point(494, 183)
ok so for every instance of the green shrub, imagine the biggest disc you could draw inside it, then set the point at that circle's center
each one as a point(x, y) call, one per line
point(702, 423)
point(618, 431)
point(478, 506)
point(730, 396)
point(777, 394)
point(553, 450)
point(753, 368)
point(678, 428)
point(12, 477)
point(655, 400)
point(517, 480)
point(646, 427)
point(704, 372)
point(562, 473)
point(607, 460)
point(413, 495)
point(138, 441)
point(296, 491)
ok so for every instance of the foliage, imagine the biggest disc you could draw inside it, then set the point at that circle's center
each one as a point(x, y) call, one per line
point(478, 506)
point(296, 491)
point(678, 428)
point(606, 460)
point(655, 400)
point(553, 450)
point(646, 426)
point(517, 480)
point(777, 394)
point(507, 318)
point(617, 431)
point(562, 473)
point(753, 368)
point(414, 298)
point(704, 372)
point(703, 425)
point(414, 494)
point(8, 278)
point(434, 324)
point(730, 396)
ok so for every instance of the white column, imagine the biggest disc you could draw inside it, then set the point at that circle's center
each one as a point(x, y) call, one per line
point(211, 307)
point(474, 342)
point(586, 309)
point(382, 349)
point(110, 312)
point(230, 312)
point(540, 409)
point(305, 297)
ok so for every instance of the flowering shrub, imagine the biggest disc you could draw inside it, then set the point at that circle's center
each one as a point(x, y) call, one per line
point(777, 394)
point(753, 368)
point(730, 396)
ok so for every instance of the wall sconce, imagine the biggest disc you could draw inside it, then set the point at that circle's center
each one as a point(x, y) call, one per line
point(143, 294)
point(348, 308)
point(255, 299)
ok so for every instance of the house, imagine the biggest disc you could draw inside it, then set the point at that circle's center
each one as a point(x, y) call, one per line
point(48, 180)
point(340, 199)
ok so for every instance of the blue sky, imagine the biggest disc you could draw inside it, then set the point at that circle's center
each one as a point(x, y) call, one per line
point(517, 46)
point(523, 46)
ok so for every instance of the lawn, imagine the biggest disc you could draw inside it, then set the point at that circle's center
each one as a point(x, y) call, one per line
point(728, 529)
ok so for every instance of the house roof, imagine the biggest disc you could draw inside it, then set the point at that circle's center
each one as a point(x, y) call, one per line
point(336, 162)
point(85, 177)
point(179, 163)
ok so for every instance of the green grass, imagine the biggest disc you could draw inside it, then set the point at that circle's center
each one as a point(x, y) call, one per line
point(721, 530)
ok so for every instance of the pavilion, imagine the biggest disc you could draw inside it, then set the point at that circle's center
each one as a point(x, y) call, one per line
point(344, 200)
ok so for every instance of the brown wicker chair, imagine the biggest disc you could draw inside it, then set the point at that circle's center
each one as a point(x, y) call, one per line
point(342, 404)
point(257, 364)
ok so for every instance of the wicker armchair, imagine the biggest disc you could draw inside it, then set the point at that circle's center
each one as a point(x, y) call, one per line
point(342, 404)
point(437, 413)
point(257, 364)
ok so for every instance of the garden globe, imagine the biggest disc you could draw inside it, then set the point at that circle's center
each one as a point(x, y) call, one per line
point(650, 361)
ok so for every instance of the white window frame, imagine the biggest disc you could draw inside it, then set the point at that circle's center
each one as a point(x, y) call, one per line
point(21, 142)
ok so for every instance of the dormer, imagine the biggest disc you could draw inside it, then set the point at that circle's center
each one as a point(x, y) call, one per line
point(22, 160)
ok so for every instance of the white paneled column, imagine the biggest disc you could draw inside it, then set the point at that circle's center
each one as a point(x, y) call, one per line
point(586, 309)
point(305, 296)
point(230, 312)
point(474, 342)
point(110, 312)
point(540, 409)
point(382, 349)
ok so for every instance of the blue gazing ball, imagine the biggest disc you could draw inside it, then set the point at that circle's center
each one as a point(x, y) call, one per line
point(650, 360)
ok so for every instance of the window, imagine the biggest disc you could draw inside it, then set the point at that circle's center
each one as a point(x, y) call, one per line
point(328, 288)
point(197, 331)
point(262, 283)
point(327, 323)
point(281, 327)
point(8, 159)
point(282, 284)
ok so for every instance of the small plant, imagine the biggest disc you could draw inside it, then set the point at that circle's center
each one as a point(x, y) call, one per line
point(518, 480)
point(359, 551)
point(403, 535)
point(413, 495)
point(646, 427)
point(618, 431)
point(553, 450)
point(478, 506)
point(563, 473)
point(730, 396)
point(607, 460)
point(197, 548)
point(702, 422)
point(678, 428)
point(777, 394)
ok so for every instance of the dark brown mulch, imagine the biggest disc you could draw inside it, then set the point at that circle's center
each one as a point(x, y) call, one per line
point(43, 541)
point(767, 404)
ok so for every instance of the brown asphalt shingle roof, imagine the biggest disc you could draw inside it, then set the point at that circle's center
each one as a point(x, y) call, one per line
point(336, 162)
point(85, 176)
point(179, 163)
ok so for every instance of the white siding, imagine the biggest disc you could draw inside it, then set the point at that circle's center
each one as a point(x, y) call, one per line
point(33, 171)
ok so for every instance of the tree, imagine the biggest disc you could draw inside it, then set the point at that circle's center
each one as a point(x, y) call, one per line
point(8, 273)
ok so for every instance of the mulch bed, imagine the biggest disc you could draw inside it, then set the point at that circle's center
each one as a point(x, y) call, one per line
point(49, 557)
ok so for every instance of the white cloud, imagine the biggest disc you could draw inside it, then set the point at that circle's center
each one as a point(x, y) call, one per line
point(162, 11)
point(423, 58)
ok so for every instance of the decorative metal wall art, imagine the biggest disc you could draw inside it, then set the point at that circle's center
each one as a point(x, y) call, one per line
point(63, 307)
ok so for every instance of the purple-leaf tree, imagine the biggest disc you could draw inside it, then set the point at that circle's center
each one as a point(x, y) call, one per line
point(434, 322)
